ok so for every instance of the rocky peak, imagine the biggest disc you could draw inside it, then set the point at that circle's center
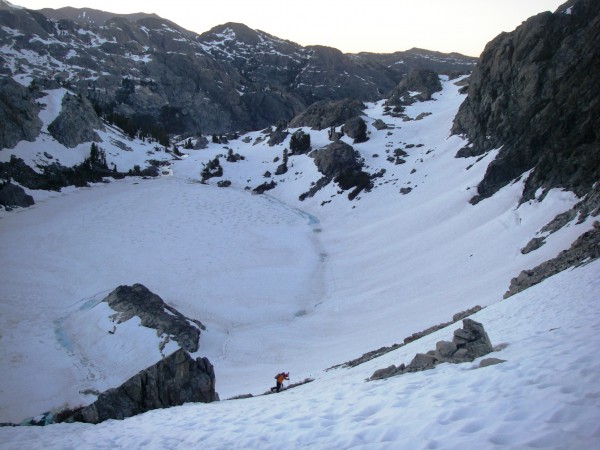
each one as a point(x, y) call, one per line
point(535, 94)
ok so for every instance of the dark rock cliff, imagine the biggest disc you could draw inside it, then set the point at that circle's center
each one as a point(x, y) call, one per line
point(173, 381)
point(535, 95)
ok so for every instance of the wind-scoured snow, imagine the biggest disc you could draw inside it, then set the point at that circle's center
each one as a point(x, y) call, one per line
point(301, 286)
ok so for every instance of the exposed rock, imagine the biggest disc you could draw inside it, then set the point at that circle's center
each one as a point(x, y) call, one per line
point(380, 125)
point(535, 94)
point(201, 143)
point(588, 206)
point(340, 162)
point(281, 169)
point(277, 137)
point(336, 158)
point(585, 249)
point(76, 122)
point(478, 344)
point(533, 245)
point(469, 342)
point(384, 373)
point(18, 114)
point(326, 114)
point(173, 381)
point(137, 300)
point(383, 350)
point(486, 362)
point(444, 350)
point(356, 128)
point(417, 85)
point(12, 196)
point(420, 362)
point(266, 186)
point(466, 313)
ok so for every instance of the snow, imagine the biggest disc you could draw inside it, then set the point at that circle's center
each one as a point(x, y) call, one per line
point(301, 286)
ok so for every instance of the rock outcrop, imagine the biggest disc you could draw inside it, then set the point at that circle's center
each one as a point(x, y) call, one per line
point(326, 114)
point(535, 95)
point(137, 300)
point(356, 128)
point(76, 122)
point(416, 85)
point(468, 343)
point(12, 196)
point(173, 381)
point(18, 114)
point(339, 162)
point(585, 249)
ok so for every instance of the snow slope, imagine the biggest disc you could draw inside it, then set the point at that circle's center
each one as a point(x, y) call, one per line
point(301, 286)
point(544, 396)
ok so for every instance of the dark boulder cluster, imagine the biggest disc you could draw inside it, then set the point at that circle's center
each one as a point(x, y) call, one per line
point(173, 381)
point(468, 343)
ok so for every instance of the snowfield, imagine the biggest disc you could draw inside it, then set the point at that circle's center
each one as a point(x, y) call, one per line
point(301, 286)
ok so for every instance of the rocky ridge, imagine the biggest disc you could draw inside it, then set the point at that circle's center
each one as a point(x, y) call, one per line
point(165, 79)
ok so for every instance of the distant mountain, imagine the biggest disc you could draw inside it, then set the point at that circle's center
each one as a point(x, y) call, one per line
point(149, 74)
point(89, 16)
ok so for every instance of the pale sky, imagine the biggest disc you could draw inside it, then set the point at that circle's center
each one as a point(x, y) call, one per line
point(382, 26)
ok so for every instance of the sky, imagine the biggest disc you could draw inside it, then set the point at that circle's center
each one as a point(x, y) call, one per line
point(382, 26)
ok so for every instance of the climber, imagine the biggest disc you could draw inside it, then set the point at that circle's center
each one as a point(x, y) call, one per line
point(280, 377)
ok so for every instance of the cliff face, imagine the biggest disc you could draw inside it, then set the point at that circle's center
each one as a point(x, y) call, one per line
point(535, 94)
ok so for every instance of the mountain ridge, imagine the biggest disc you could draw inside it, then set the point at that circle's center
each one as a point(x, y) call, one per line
point(156, 74)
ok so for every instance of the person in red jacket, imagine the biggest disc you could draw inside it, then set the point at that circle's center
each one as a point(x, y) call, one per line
point(280, 377)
